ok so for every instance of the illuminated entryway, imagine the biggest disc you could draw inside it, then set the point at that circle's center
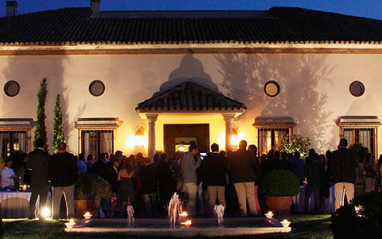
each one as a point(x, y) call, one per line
point(185, 106)
point(177, 136)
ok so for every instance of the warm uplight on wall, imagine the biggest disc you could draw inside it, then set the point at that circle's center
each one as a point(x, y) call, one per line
point(235, 137)
point(140, 135)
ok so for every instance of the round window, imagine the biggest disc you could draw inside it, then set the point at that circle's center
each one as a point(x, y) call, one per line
point(272, 88)
point(356, 88)
point(11, 88)
point(96, 88)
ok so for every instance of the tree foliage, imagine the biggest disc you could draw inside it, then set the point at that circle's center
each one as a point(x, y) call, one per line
point(359, 151)
point(294, 143)
point(58, 125)
point(40, 125)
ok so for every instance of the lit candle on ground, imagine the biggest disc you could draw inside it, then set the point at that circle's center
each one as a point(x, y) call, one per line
point(186, 223)
point(183, 216)
point(269, 214)
point(24, 187)
point(70, 224)
point(87, 215)
point(285, 223)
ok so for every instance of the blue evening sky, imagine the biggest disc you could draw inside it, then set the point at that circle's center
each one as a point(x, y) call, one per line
point(362, 8)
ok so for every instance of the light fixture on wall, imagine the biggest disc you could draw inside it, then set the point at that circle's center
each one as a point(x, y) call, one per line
point(181, 147)
point(235, 137)
point(140, 135)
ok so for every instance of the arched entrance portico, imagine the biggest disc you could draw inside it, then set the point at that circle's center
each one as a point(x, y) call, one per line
point(189, 104)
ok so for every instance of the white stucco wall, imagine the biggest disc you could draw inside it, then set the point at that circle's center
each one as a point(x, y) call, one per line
point(314, 89)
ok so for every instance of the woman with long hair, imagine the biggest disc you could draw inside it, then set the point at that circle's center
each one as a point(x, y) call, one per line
point(126, 176)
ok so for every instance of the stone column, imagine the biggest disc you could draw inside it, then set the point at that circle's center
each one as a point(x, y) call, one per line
point(151, 118)
point(228, 131)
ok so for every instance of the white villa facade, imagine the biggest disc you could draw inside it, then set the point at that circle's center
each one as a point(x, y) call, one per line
point(323, 86)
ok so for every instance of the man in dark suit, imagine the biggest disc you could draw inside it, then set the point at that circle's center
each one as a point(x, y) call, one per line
point(242, 166)
point(214, 168)
point(37, 162)
point(99, 167)
point(343, 167)
point(63, 175)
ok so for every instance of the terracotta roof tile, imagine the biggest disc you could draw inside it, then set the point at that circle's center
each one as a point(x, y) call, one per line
point(190, 97)
point(279, 24)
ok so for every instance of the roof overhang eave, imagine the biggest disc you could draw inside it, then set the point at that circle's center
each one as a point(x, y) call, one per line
point(76, 45)
point(144, 113)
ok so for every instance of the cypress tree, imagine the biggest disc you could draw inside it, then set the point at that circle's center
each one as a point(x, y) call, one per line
point(58, 125)
point(40, 125)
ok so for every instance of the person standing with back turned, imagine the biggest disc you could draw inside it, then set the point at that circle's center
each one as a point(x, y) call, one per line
point(343, 168)
point(63, 175)
point(242, 166)
point(38, 161)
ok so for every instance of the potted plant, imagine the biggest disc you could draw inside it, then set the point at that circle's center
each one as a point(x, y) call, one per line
point(279, 186)
point(88, 192)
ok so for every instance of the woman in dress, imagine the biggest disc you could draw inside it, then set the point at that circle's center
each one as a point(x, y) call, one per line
point(126, 176)
point(369, 173)
point(324, 185)
point(378, 184)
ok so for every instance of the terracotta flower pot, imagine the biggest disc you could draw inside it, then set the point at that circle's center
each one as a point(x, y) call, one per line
point(279, 205)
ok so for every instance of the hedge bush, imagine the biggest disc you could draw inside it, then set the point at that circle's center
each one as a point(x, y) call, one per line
point(360, 219)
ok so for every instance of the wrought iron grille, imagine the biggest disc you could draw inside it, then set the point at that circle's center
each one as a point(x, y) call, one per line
point(97, 141)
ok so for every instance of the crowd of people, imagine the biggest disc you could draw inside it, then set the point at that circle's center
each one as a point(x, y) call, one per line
point(228, 179)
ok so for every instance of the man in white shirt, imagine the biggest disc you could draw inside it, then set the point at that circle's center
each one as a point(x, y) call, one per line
point(189, 166)
point(7, 175)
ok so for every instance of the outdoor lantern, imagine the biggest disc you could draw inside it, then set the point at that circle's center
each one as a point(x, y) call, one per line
point(140, 136)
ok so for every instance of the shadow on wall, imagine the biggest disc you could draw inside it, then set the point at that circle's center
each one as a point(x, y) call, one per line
point(29, 73)
point(190, 69)
point(244, 76)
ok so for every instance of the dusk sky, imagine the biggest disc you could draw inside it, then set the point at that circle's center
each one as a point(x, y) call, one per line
point(362, 8)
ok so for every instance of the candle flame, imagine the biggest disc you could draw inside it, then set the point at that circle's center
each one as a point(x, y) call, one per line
point(188, 222)
point(87, 214)
point(183, 214)
point(270, 213)
point(285, 220)
point(71, 220)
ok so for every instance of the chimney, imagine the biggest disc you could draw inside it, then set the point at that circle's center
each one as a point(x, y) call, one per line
point(11, 8)
point(95, 8)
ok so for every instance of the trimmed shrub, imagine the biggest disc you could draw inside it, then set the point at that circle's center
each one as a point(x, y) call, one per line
point(360, 219)
point(279, 183)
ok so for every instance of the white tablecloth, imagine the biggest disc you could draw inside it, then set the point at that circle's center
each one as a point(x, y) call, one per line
point(16, 204)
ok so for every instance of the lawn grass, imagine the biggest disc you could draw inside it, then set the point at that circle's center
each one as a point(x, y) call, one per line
point(303, 226)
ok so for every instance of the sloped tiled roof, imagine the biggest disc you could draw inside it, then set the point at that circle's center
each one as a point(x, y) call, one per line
point(189, 97)
point(280, 24)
